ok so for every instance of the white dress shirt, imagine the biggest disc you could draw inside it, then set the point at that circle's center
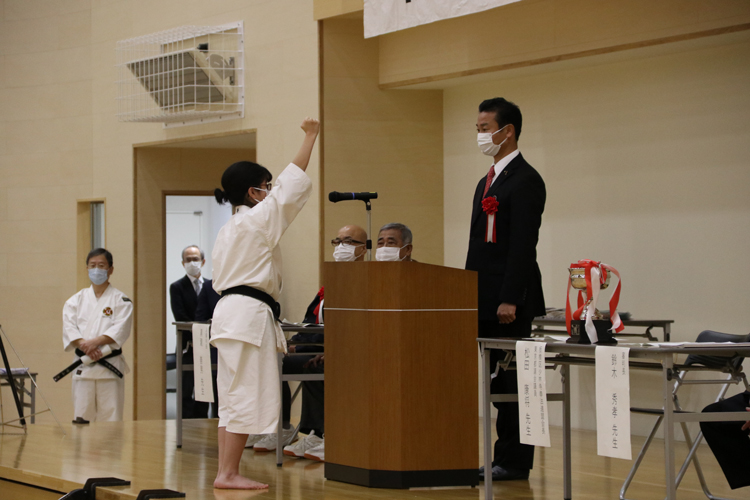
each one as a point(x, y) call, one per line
point(500, 166)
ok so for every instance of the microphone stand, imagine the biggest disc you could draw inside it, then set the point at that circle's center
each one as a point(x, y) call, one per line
point(369, 230)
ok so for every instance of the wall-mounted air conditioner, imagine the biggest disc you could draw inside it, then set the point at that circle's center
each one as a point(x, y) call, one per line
point(183, 76)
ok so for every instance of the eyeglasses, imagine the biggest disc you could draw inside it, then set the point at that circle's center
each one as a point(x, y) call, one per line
point(346, 241)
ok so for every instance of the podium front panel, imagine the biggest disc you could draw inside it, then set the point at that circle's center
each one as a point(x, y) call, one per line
point(401, 374)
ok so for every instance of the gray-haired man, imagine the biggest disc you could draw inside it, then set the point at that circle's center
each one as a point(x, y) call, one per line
point(394, 243)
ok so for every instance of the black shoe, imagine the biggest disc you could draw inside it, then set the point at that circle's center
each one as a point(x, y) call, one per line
point(502, 474)
point(81, 421)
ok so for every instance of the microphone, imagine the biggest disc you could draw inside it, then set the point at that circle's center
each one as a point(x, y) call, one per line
point(335, 196)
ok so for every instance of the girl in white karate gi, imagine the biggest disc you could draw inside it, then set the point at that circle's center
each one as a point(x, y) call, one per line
point(247, 255)
point(92, 318)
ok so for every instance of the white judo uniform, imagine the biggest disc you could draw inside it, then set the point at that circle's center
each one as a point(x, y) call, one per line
point(98, 393)
point(243, 330)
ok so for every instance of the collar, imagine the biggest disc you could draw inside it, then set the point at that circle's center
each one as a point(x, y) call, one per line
point(504, 161)
point(192, 280)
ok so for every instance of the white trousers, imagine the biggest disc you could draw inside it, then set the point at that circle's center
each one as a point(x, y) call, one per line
point(248, 383)
point(99, 400)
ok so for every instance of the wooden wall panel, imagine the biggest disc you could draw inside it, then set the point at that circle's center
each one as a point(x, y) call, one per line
point(374, 140)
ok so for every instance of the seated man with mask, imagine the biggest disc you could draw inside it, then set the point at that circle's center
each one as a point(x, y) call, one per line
point(348, 246)
point(394, 243)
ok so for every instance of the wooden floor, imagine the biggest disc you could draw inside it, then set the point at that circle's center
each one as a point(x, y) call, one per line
point(144, 452)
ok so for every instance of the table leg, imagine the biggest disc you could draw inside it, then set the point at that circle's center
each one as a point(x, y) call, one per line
point(668, 370)
point(486, 423)
point(667, 331)
point(178, 359)
point(567, 462)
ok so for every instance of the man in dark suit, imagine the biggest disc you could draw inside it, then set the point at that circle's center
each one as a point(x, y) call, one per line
point(505, 221)
point(183, 295)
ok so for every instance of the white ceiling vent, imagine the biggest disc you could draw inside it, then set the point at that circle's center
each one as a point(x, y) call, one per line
point(182, 76)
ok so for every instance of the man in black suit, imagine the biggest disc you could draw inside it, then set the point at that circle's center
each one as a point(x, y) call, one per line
point(183, 295)
point(505, 221)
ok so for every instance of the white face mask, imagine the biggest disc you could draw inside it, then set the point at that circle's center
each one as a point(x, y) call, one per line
point(388, 254)
point(484, 140)
point(193, 268)
point(267, 191)
point(344, 253)
point(98, 276)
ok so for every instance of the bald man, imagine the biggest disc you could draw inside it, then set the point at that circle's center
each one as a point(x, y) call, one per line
point(350, 244)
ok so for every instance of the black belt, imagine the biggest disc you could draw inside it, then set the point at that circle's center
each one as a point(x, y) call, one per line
point(249, 291)
point(79, 362)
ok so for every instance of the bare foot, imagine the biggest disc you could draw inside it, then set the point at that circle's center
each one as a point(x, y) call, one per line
point(237, 482)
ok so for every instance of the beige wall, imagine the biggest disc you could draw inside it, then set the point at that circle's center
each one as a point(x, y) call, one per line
point(60, 141)
point(645, 159)
point(388, 141)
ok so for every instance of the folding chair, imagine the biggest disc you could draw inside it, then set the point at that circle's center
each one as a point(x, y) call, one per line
point(731, 367)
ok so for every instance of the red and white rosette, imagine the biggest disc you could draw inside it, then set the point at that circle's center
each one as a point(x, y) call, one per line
point(596, 275)
point(489, 205)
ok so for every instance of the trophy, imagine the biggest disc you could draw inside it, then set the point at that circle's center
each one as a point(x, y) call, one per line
point(587, 325)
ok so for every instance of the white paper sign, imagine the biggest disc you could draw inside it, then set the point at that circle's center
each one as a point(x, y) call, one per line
point(533, 419)
point(204, 389)
point(613, 402)
point(385, 16)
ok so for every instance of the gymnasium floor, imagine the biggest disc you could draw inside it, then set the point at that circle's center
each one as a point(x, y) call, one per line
point(144, 452)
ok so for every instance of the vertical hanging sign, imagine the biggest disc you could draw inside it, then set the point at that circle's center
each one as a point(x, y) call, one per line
point(533, 419)
point(613, 402)
point(204, 389)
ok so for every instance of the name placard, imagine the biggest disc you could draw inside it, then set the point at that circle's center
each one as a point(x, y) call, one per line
point(533, 419)
point(613, 402)
point(204, 389)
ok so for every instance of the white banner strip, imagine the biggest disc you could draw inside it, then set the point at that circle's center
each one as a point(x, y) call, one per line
point(533, 419)
point(386, 16)
point(613, 402)
point(204, 389)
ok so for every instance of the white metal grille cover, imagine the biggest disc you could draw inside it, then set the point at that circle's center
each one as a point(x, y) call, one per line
point(182, 76)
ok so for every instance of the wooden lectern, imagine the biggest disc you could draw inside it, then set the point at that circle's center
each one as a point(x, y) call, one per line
point(401, 374)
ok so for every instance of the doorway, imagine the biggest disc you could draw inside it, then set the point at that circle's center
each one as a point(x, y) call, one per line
point(190, 220)
point(182, 168)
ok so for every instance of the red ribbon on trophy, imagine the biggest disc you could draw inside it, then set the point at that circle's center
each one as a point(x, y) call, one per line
point(596, 275)
point(489, 205)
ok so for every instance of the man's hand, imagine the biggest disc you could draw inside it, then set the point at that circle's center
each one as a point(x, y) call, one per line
point(314, 362)
point(89, 346)
point(291, 348)
point(506, 313)
point(311, 126)
point(746, 425)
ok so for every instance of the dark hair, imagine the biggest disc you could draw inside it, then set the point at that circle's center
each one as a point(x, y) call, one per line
point(506, 113)
point(100, 251)
point(237, 179)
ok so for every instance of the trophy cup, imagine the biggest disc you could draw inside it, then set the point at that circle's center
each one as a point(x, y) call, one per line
point(587, 325)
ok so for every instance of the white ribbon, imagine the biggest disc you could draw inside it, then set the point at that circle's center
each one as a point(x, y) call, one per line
point(591, 308)
point(490, 228)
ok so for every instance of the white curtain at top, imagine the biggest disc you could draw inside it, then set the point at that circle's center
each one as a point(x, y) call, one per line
point(385, 16)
